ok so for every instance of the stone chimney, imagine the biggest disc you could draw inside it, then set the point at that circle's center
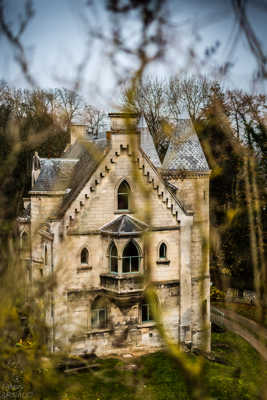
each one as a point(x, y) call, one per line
point(123, 121)
point(77, 131)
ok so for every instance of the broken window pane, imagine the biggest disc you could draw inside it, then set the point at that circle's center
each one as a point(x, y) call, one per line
point(99, 320)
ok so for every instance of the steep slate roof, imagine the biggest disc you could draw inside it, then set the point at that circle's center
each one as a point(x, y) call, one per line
point(71, 172)
point(124, 225)
point(147, 143)
point(90, 155)
point(185, 152)
point(56, 174)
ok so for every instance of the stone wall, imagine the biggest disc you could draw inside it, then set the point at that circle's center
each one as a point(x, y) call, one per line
point(183, 296)
point(193, 190)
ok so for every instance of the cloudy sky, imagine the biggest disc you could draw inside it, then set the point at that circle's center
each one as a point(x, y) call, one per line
point(57, 41)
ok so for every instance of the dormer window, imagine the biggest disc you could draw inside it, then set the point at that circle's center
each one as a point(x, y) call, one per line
point(124, 196)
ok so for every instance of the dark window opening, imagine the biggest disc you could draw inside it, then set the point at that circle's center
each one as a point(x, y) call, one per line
point(113, 258)
point(24, 241)
point(123, 196)
point(99, 318)
point(45, 255)
point(146, 313)
point(130, 258)
point(163, 251)
point(84, 256)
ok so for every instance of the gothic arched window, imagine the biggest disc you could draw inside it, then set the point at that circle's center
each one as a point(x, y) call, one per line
point(113, 258)
point(84, 256)
point(124, 196)
point(130, 258)
point(163, 250)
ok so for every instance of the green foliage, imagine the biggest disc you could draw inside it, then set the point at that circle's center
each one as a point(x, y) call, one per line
point(27, 124)
point(216, 294)
point(228, 193)
point(239, 375)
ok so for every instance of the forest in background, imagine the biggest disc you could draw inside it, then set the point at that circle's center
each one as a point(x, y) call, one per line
point(230, 125)
point(232, 129)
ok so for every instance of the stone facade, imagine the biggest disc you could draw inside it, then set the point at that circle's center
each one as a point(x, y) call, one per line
point(108, 219)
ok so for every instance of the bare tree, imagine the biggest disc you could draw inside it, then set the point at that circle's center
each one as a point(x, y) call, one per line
point(245, 109)
point(71, 104)
point(187, 95)
point(94, 119)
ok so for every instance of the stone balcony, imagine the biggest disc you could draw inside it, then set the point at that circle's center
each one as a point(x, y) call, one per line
point(122, 284)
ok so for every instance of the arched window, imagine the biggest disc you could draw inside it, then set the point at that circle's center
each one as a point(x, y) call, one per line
point(99, 314)
point(113, 258)
point(163, 250)
point(45, 255)
point(84, 256)
point(130, 258)
point(124, 196)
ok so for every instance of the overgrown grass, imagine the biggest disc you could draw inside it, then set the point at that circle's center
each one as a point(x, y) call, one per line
point(238, 374)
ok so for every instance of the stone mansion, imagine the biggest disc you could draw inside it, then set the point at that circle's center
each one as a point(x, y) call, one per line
point(104, 215)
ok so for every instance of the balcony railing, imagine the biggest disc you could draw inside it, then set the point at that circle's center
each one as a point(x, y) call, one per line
point(122, 283)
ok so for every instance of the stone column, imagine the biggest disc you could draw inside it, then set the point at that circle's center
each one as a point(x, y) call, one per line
point(185, 334)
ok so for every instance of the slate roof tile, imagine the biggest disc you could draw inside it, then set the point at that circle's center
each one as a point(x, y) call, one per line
point(82, 158)
point(184, 151)
point(124, 225)
point(56, 174)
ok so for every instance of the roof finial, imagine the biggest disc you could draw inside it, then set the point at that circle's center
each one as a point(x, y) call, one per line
point(36, 168)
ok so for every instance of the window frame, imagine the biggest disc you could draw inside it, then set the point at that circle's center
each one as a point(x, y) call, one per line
point(162, 245)
point(113, 245)
point(97, 311)
point(86, 257)
point(164, 259)
point(130, 259)
point(143, 321)
point(119, 194)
